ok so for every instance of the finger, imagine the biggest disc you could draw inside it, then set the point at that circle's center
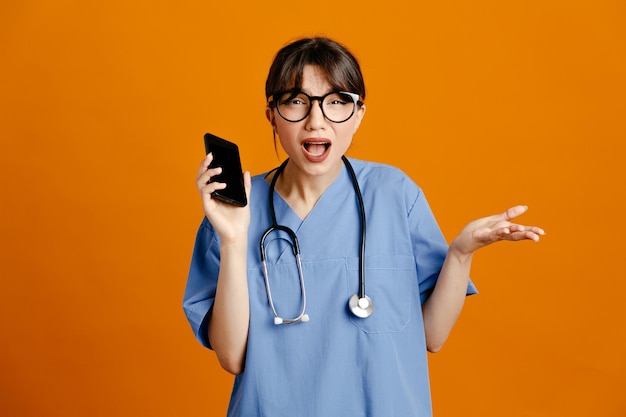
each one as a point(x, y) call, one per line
point(538, 230)
point(514, 212)
point(507, 215)
point(524, 235)
point(534, 234)
point(205, 177)
point(209, 188)
point(521, 228)
point(204, 165)
point(487, 236)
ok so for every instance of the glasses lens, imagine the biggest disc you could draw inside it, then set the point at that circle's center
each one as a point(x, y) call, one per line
point(293, 106)
point(338, 107)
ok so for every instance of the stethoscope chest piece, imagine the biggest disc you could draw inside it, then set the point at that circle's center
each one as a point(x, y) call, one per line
point(362, 307)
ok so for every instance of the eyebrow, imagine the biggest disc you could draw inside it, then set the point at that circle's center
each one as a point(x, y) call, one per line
point(299, 90)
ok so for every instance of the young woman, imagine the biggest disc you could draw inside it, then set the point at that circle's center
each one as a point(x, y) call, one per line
point(340, 325)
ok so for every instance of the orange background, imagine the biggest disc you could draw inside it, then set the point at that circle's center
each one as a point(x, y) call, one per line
point(485, 104)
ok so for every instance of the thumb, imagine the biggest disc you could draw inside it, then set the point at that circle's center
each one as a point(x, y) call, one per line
point(514, 212)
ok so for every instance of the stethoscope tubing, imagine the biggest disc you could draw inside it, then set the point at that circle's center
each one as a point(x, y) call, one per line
point(359, 198)
point(360, 305)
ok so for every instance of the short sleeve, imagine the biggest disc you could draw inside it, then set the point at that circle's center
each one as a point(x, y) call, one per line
point(202, 282)
point(429, 246)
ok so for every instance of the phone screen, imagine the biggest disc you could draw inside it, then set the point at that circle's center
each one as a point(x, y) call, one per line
point(226, 156)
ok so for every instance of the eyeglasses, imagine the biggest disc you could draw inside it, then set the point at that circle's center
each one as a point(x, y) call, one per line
point(295, 106)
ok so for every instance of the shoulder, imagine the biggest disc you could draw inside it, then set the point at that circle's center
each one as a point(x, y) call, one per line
point(260, 187)
point(259, 179)
point(384, 178)
point(259, 199)
point(377, 169)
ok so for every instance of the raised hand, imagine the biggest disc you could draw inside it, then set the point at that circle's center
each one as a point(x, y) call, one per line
point(487, 230)
point(230, 222)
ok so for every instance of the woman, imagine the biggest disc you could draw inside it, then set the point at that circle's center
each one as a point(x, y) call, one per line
point(372, 316)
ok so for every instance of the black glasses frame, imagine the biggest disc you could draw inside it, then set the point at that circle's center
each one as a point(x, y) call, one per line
point(320, 99)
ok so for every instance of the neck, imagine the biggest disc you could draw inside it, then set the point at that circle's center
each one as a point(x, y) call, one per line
point(302, 190)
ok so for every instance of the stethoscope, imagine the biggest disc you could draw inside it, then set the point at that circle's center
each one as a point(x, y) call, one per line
point(359, 304)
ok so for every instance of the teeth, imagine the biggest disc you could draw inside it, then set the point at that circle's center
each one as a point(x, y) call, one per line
point(307, 145)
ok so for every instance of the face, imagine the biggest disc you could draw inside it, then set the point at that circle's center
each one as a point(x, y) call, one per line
point(315, 145)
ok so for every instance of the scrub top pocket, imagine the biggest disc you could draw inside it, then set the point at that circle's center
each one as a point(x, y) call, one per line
point(391, 283)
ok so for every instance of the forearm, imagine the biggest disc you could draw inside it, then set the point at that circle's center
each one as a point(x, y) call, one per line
point(444, 305)
point(230, 318)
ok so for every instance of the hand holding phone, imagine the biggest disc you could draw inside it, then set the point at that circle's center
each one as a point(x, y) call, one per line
point(226, 156)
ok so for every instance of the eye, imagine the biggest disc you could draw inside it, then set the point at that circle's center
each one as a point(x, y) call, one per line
point(337, 99)
point(293, 100)
point(296, 101)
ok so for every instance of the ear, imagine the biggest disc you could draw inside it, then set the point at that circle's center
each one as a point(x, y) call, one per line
point(269, 115)
point(360, 113)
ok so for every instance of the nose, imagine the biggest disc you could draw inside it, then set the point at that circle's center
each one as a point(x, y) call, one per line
point(316, 119)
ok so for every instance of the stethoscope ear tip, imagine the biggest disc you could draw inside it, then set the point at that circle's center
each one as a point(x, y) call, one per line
point(280, 320)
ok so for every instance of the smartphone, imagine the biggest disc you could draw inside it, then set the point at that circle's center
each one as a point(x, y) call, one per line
point(226, 156)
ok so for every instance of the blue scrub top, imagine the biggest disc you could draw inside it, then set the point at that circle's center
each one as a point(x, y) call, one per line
point(336, 364)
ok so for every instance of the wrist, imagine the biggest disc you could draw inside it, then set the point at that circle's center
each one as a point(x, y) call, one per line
point(234, 245)
point(456, 252)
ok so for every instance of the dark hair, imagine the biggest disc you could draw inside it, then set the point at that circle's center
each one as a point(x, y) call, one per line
point(335, 60)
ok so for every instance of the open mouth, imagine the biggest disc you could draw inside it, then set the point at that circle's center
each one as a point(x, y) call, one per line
point(316, 148)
